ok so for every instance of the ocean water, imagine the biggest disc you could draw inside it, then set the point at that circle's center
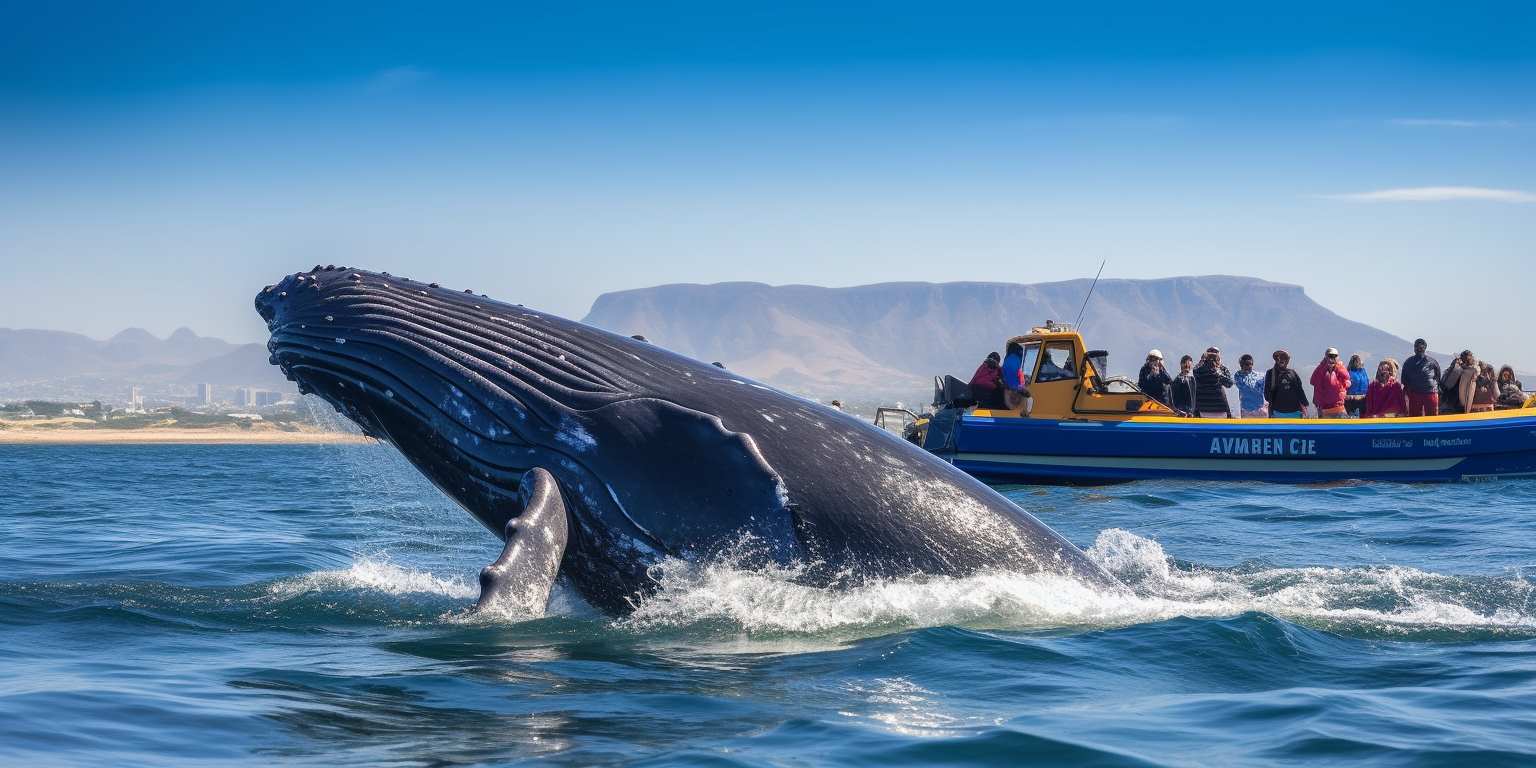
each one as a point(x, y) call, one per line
point(164, 605)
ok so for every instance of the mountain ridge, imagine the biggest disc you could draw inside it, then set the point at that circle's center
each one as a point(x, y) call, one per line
point(42, 362)
point(893, 337)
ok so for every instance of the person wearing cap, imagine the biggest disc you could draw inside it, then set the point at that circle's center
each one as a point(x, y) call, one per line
point(1421, 381)
point(1211, 378)
point(987, 382)
point(1330, 384)
point(1250, 390)
point(1154, 380)
point(1283, 389)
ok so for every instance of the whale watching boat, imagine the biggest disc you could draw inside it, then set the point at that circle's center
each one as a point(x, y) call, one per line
point(1081, 425)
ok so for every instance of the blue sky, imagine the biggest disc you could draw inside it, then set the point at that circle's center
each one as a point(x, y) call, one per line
point(163, 162)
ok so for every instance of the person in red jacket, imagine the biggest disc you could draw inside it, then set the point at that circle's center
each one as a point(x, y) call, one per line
point(987, 382)
point(1330, 383)
point(1386, 397)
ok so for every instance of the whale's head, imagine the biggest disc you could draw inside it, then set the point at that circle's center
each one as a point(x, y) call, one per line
point(472, 391)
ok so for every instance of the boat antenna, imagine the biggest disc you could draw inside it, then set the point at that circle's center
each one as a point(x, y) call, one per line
point(1079, 323)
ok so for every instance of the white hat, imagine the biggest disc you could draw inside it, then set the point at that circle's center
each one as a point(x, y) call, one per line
point(1332, 352)
point(1155, 353)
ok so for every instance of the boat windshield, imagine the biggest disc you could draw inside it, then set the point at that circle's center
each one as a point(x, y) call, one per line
point(1031, 353)
point(1057, 364)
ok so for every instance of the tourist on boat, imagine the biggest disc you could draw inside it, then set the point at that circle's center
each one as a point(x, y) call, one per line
point(987, 382)
point(1359, 382)
point(1182, 390)
point(1421, 381)
point(1385, 398)
point(1211, 378)
point(1459, 383)
point(1330, 384)
point(1154, 380)
point(1283, 389)
point(1485, 390)
point(1511, 391)
point(1015, 391)
point(1250, 390)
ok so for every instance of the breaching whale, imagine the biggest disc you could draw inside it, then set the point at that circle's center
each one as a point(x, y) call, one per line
point(594, 456)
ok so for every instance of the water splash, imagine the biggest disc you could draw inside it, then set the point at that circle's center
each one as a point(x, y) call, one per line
point(727, 597)
point(375, 575)
point(1390, 600)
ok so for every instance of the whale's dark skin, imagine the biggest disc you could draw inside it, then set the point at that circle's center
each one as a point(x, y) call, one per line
point(651, 454)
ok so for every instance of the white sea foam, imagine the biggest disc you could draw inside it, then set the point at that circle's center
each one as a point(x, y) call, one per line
point(763, 603)
point(375, 575)
point(1380, 599)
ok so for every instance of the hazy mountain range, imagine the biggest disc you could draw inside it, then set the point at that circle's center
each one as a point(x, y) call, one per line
point(892, 338)
point(888, 339)
point(63, 365)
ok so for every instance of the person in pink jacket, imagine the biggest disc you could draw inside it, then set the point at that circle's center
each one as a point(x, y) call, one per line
point(1386, 397)
point(1330, 383)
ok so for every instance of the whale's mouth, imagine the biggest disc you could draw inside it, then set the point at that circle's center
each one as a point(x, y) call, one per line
point(467, 388)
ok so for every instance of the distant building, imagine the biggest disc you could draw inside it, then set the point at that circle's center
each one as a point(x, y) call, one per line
point(135, 400)
point(205, 394)
point(245, 397)
point(266, 398)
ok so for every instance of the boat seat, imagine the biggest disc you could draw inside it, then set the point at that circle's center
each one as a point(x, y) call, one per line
point(950, 392)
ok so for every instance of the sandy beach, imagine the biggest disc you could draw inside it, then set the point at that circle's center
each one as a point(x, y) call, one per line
point(172, 435)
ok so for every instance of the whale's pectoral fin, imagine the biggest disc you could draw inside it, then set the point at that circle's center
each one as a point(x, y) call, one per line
point(521, 578)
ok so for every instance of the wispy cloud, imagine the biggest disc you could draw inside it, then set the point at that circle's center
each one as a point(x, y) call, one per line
point(1443, 122)
point(396, 78)
point(1438, 194)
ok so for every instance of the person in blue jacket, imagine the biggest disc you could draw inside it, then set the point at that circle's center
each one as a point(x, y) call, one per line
point(1014, 390)
point(1250, 390)
point(1359, 386)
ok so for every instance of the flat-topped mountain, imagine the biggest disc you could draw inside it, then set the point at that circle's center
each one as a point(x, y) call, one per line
point(893, 337)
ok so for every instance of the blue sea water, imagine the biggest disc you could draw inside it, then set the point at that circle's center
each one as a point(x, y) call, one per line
point(165, 605)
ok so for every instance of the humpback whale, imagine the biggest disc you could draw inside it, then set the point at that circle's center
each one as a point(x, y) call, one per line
point(595, 456)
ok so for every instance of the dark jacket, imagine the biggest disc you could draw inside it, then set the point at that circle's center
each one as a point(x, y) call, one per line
point(1487, 390)
point(1511, 395)
point(1210, 379)
point(987, 385)
point(1421, 374)
point(1182, 393)
point(1155, 383)
point(1284, 391)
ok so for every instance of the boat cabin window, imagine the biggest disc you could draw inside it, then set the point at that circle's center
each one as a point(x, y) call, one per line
point(1027, 367)
point(1057, 363)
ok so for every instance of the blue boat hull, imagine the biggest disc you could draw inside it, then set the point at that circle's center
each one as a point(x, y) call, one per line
point(1437, 449)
